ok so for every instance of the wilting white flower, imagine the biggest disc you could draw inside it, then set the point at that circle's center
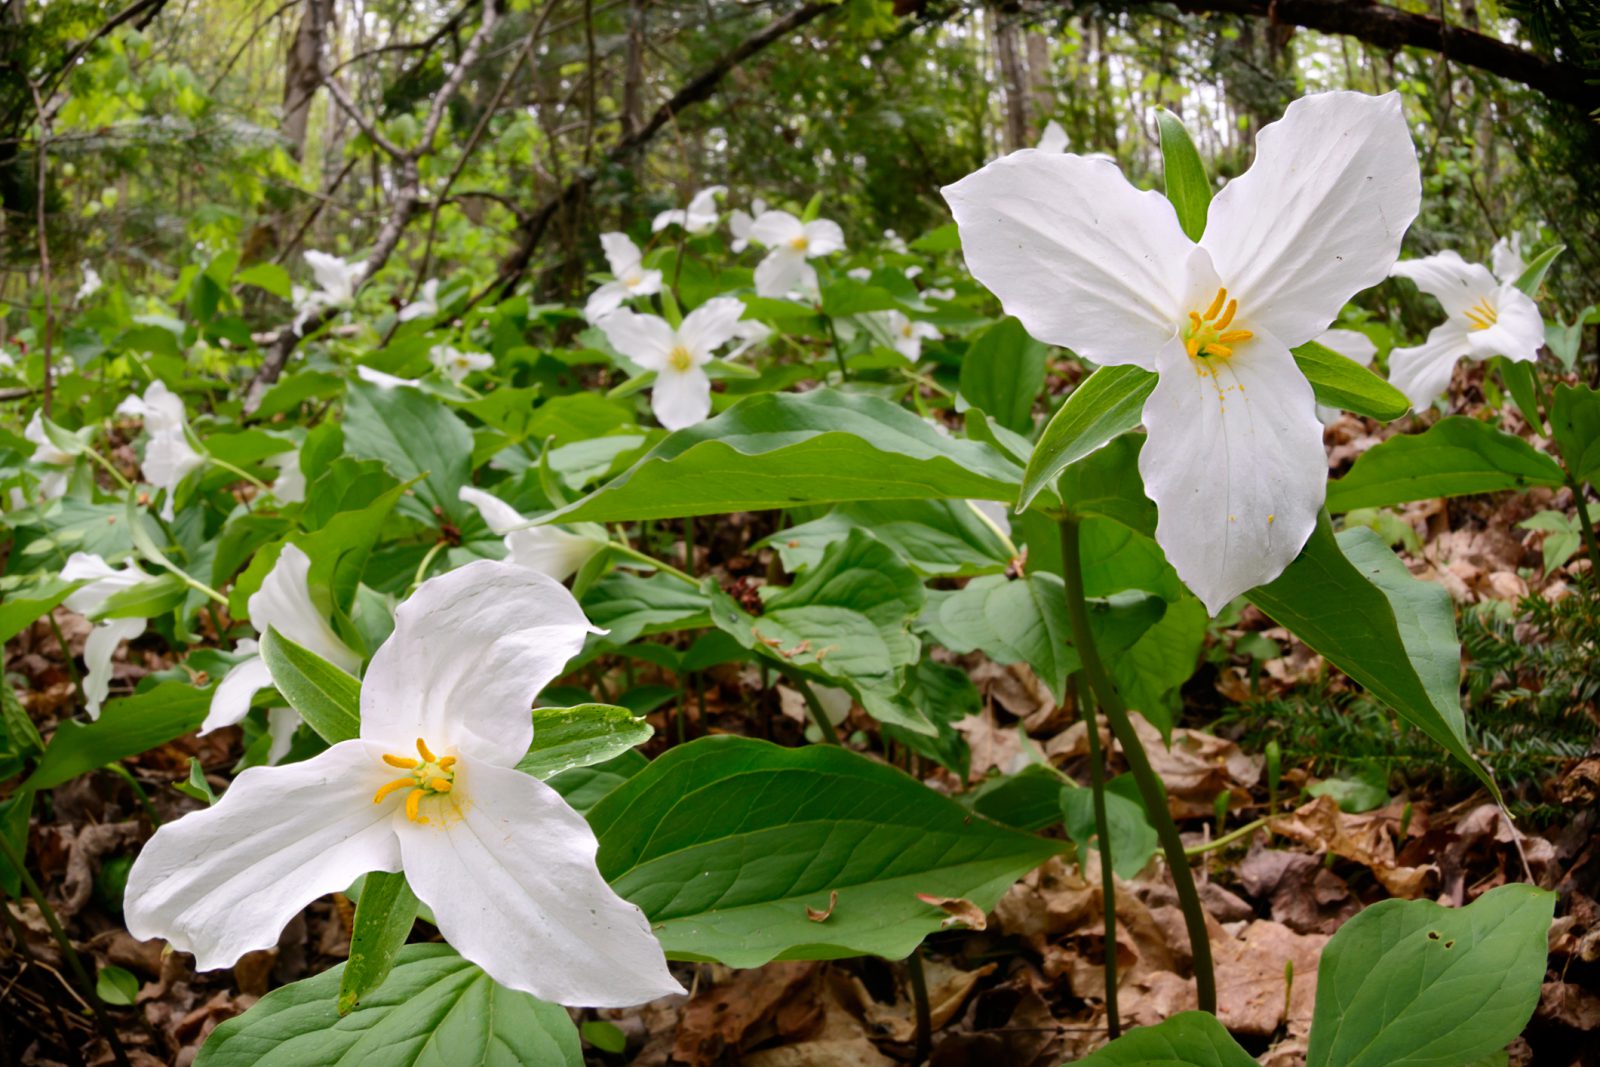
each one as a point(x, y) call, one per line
point(700, 217)
point(425, 306)
point(790, 244)
point(557, 551)
point(1234, 457)
point(1352, 345)
point(630, 278)
point(681, 395)
point(290, 485)
point(373, 376)
point(1053, 139)
point(457, 365)
point(430, 788)
point(1483, 318)
point(1506, 258)
point(739, 223)
point(168, 456)
point(54, 482)
point(91, 283)
point(104, 581)
point(282, 603)
point(905, 334)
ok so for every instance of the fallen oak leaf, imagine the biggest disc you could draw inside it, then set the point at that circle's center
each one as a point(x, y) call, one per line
point(960, 912)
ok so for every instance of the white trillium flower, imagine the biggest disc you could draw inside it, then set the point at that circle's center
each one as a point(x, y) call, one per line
point(700, 217)
point(337, 281)
point(425, 306)
point(282, 603)
point(739, 223)
point(1483, 318)
point(1053, 139)
point(630, 279)
point(1234, 458)
point(430, 788)
point(91, 284)
point(168, 456)
point(894, 242)
point(791, 243)
point(54, 482)
point(551, 550)
point(748, 332)
point(906, 334)
point(1506, 258)
point(373, 376)
point(457, 365)
point(681, 395)
point(104, 582)
point(290, 484)
point(859, 274)
point(1352, 345)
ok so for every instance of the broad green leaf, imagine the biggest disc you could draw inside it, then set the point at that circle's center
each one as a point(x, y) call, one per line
point(1133, 839)
point(629, 606)
point(1188, 1039)
point(328, 699)
point(846, 620)
point(383, 920)
point(726, 841)
point(435, 1010)
point(1107, 483)
point(413, 435)
point(1106, 404)
point(115, 985)
point(566, 738)
point(1002, 374)
point(1523, 385)
point(19, 607)
point(269, 276)
point(1030, 799)
point(161, 593)
point(1575, 421)
point(126, 727)
point(1021, 620)
point(777, 450)
point(1533, 274)
point(1340, 382)
point(1456, 456)
point(846, 296)
point(1184, 175)
point(584, 787)
point(1150, 671)
point(939, 538)
point(1410, 983)
point(1350, 599)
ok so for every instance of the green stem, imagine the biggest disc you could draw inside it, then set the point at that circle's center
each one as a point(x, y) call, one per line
point(110, 468)
point(238, 471)
point(1151, 789)
point(819, 715)
point(1584, 522)
point(919, 998)
point(1102, 829)
point(833, 337)
point(138, 791)
point(1229, 838)
point(427, 561)
point(66, 655)
point(629, 552)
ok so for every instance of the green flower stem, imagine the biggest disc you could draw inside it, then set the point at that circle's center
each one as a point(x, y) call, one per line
point(1230, 837)
point(427, 561)
point(1151, 789)
point(110, 468)
point(239, 472)
point(629, 552)
point(1584, 522)
point(818, 714)
point(1102, 829)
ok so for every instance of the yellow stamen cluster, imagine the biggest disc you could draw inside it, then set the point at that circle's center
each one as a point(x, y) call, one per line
point(800, 244)
point(1208, 334)
point(429, 776)
point(679, 358)
point(1482, 315)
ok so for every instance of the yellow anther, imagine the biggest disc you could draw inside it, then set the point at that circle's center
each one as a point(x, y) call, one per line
point(800, 244)
point(1194, 320)
point(1220, 351)
point(402, 762)
point(422, 750)
point(1233, 336)
point(1192, 346)
point(412, 803)
point(1216, 305)
point(447, 762)
point(440, 785)
point(1208, 335)
point(679, 358)
point(1482, 316)
point(1227, 316)
point(390, 787)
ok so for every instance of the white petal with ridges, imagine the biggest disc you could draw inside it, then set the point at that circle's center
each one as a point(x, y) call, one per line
point(284, 603)
point(645, 339)
point(1518, 330)
point(98, 649)
point(231, 702)
point(1449, 279)
point(782, 271)
point(710, 326)
point(1422, 372)
point(681, 398)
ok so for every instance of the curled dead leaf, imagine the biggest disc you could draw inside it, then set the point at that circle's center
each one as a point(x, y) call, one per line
point(960, 911)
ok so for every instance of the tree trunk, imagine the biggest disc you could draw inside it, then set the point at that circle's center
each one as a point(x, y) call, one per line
point(302, 75)
point(1013, 79)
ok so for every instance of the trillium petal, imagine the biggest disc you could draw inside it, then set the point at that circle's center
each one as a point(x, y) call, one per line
point(1422, 372)
point(1083, 258)
point(284, 603)
point(1053, 139)
point(469, 652)
point(604, 300)
point(1506, 258)
point(1235, 464)
point(281, 725)
point(1353, 345)
point(511, 879)
point(645, 339)
point(104, 581)
point(501, 517)
point(622, 255)
point(550, 550)
point(671, 217)
point(776, 228)
point(823, 237)
point(780, 272)
point(1319, 216)
point(1518, 330)
point(681, 398)
point(1449, 279)
point(225, 881)
point(231, 702)
point(645, 283)
point(98, 649)
point(710, 326)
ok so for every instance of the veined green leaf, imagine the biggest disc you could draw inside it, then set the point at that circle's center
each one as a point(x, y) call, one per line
point(565, 738)
point(1002, 374)
point(1575, 421)
point(1188, 1039)
point(1457, 456)
point(1184, 174)
point(1106, 404)
point(328, 699)
point(1340, 382)
point(384, 917)
point(126, 727)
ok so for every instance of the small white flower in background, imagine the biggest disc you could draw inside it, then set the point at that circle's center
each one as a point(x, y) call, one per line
point(748, 332)
point(290, 484)
point(1506, 258)
point(630, 278)
point(700, 217)
point(555, 551)
point(859, 274)
point(739, 223)
point(1053, 139)
point(681, 395)
point(1352, 345)
point(282, 603)
point(104, 582)
point(790, 244)
point(904, 334)
point(53, 483)
point(425, 306)
point(894, 242)
point(1483, 318)
point(168, 456)
point(373, 376)
point(336, 278)
point(457, 365)
point(938, 294)
point(429, 788)
point(91, 283)
point(1234, 458)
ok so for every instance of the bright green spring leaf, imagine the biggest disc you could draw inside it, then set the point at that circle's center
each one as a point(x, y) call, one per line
point(126, 727)
point(1457, 456)
point(1188, 1039)
point(566, 738)
point(328, 699)
point(1184, 175)
point(1002, 374)
point(1107, 403)
point(1575, 421)
point(1340, 382)
point(384, 917)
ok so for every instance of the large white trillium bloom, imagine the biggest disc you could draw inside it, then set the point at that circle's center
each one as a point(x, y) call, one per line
point(282, 603)
point(104, 581)
point(681, 395)
point(630, 279)
point(700, 217)
point(52, 483)
point(168, 456)
point(1483, 317)
point(1234, 458)
point(550, 550)
point(429, 788)
point(791, 243)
